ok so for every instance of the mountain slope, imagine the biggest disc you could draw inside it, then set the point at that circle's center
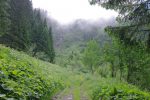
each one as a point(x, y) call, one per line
point(24, 77)
point(27, 78)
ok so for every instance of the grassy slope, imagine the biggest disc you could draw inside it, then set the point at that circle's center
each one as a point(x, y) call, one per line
point(50, 77)
point(23, 70)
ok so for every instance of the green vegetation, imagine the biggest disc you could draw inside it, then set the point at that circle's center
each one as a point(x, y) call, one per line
point(118, 92)
point(26, 29)
point(128, 52)
point(120, 57)
point(23, 77)
point(71, 43)
point(91, 55)
point(93, 64)
point(4, 17)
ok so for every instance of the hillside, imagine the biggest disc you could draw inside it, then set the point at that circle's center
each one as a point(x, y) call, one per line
point(45, 57)
point(25, 77)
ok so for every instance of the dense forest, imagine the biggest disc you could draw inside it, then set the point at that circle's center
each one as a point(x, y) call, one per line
point(41, 59)
point(26, 29)
point(130, 45)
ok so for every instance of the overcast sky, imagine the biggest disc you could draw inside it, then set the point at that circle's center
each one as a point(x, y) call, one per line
point(65, 11)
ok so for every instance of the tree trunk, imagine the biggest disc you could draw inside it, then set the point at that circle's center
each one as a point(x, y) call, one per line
point(121, 69)
point(113, 70)
point(120, 75)
point(148, 43)
point(92, 71)
point(34, 53)
point(130, 72)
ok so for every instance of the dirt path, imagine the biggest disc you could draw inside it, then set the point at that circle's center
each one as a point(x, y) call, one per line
point(74, 91)
point(70, 94)
point(67, 97)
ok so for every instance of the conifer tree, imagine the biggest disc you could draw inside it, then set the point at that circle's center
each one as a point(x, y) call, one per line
point(4, 17)
point(21, 18)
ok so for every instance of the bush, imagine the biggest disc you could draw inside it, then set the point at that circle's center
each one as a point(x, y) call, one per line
point(19, 80)
point(119, 93)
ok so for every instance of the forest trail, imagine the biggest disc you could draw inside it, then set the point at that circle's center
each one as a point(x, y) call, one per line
point(67, 97)
point(71, 94)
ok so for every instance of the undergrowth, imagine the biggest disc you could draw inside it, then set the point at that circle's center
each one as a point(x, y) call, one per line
point(26, 78)
point(120, 92)
point(22, 77)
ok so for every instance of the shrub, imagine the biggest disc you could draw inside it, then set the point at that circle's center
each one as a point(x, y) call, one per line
point(120, 92)
point(19, 80)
